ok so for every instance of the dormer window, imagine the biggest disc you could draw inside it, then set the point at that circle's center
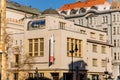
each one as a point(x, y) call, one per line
point(82, 10)
point(64, 12)
point(94, 7)
point(73, 11)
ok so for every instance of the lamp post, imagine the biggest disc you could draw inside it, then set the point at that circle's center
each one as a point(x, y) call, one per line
point(36, 74)
point(72, 51)
point(106, 72)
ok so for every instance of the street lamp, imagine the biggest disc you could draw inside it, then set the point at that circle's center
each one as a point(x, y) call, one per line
point(108, 76)
point(72, 51)
point(36, 74)
point(106, 73)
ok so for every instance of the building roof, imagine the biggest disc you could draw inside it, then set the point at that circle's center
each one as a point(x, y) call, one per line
point(79, 4)
point(115, 4)
point(19, 7)
point(50, 11)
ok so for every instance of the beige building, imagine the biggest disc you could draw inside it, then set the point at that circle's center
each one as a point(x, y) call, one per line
point(107, 19)
point(44, 43)
point(33, 49)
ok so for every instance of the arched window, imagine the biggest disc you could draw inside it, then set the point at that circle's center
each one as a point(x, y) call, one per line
point(29, 25)
point(73, 11)
point(82, 10)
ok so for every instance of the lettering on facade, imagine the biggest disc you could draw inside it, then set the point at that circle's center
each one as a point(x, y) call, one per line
point(36, 24)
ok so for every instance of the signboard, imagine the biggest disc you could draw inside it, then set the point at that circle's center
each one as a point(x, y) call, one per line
point(36, 24)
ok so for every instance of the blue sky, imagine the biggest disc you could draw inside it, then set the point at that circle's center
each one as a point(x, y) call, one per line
point(44, 4)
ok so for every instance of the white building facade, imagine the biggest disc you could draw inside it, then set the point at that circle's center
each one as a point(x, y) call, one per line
point(29, 48)
point(106, 20)
point(35, 51)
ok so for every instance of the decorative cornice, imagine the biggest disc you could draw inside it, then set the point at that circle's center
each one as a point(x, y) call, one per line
point(99, 42)
point(91, 11)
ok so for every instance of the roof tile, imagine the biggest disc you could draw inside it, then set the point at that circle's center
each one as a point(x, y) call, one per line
point(79, 4)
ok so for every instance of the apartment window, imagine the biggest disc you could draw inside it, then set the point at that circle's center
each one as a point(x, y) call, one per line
point(92, 34)
point(94, 62)
point(16, 60)
point(103, 19)
point(115, 57)
point(118, 56)
point(82, 31)
point(103, 63)
point(117, 18)
point(114, 18)
point(15, 76)
point(81, 21)
point(41, 47)
point(36, 47)
point(114, 43)
point(73, 41)
point(114, 30)
point(62, 25)
point(30, 47)
point(103, 49)
point(106, 30)
point(94, 48)
point(21, 42)
point(94, 20)
point(106, 19)
point(101, 37)
point(90, 20)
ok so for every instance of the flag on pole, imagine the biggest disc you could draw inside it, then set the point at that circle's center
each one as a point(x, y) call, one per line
point(51, 47)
